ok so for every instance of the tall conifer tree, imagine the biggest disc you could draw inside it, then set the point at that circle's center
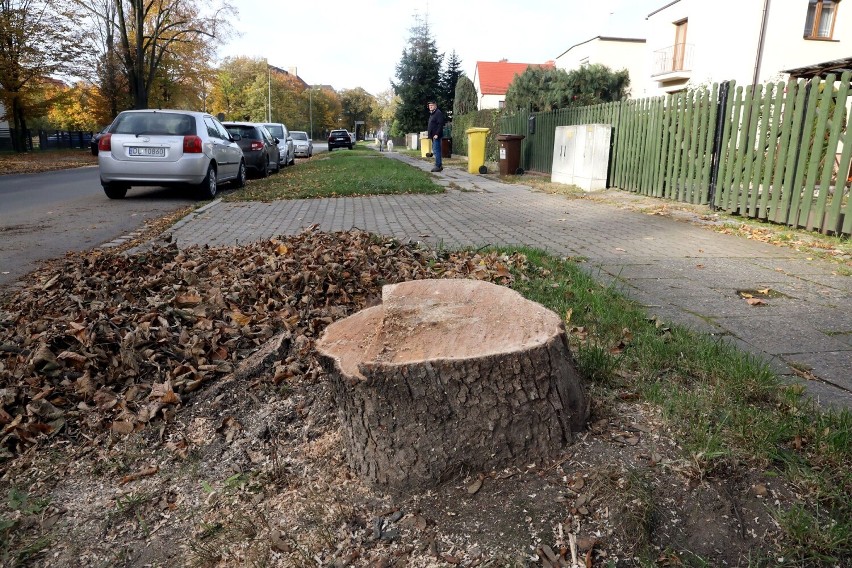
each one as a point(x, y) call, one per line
point(419, 78)
point(449, 79)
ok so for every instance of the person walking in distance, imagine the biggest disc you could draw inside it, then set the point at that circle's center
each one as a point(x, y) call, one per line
point(434, 131)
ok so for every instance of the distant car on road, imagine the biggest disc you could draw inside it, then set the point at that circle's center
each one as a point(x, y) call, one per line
point(339, 139)
point(168, 147)
point(93, 143)
point(258, 145)
point(302, 144)
point(286, 148)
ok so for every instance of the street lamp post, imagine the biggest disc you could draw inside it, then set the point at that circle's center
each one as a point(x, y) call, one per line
point(268, 93)
point(311, 110)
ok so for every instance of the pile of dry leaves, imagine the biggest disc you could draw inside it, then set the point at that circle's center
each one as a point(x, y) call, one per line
point(166, 409)
point(112, 342)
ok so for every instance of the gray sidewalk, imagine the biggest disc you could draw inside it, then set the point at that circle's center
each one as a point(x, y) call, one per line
point(679, 271)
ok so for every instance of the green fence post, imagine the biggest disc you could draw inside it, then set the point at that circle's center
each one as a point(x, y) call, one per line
point(818, 152)
point(750, 139)
point(786, 151)
point(775, 107)
point(802, 157)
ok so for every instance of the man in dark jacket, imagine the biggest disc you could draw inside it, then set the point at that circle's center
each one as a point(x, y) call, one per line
point(435, 131)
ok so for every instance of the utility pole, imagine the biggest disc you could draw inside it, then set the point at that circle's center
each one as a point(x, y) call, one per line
point(311, 109)
point(268, 92)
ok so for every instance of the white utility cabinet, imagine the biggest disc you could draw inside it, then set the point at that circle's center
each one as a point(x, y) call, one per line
point(581, 155)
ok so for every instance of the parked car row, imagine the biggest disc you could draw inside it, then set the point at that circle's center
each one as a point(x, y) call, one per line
point(259, 147)
point(179, 147)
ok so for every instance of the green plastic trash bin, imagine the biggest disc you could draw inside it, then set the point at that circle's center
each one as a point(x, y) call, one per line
point(476, 149)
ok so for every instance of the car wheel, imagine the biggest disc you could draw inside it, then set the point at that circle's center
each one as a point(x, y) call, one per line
point(350, 146)
point(240, 180)
point(207, 188)
point(277, 167)
point(330, 148)
point(264, 169)
point(293, 160)
point(114, 191)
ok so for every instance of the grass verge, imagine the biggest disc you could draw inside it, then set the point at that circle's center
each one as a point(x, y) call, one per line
point(730, 410)
point(360, 171)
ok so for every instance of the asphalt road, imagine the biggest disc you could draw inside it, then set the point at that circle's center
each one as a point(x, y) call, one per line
point(43, 216)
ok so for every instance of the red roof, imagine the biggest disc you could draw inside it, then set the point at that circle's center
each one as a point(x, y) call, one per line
point(496, 76)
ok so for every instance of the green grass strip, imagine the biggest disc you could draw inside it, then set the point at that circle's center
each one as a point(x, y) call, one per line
point(340, 173)
point(728, 408)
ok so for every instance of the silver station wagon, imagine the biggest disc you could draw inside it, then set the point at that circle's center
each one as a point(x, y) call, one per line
point(168, 148)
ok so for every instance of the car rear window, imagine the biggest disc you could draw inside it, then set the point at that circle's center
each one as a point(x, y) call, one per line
point(275, 130)
point(154, 123)
point(299, 136)
point(339, 133)
point(243, 130)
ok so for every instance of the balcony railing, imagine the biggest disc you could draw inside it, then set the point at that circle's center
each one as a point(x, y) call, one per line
point(672, 59)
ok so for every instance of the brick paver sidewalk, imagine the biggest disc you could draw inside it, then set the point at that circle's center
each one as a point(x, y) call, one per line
point(679, 271)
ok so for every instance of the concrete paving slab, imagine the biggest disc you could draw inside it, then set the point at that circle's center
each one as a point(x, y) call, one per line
point(776, 335)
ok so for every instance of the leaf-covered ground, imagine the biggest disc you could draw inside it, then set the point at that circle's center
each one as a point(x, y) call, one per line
point(166, 409)
point(44, 161)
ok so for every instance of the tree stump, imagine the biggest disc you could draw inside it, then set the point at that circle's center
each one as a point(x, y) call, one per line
point(448, 377)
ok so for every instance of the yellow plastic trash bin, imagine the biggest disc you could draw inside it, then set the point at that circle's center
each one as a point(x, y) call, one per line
point(476, 149)
point(425, 145)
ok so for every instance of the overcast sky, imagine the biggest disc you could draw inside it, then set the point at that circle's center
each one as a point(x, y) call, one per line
point(349, 44)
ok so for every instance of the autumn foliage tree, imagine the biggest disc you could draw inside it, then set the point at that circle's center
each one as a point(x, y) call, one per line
point(357, 105)
point(149, 37)
point(321, 111)
point(38, 39)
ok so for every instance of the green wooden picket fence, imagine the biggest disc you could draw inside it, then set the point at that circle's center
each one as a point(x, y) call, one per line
point(779, 152)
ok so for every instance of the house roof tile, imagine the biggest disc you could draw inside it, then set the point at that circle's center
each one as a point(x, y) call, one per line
point(496, 76)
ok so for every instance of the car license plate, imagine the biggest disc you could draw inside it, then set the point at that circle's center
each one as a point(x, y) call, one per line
point(153, 152)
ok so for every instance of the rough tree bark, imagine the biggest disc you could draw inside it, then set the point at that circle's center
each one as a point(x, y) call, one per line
point(448, 377)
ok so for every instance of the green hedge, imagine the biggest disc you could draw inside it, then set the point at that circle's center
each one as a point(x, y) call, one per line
point(488, 118)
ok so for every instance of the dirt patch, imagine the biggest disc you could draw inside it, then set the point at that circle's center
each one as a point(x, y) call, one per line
point(215, 440)
point(254, 473)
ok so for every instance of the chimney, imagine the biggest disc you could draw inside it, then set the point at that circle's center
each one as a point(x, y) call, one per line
point(292, 71)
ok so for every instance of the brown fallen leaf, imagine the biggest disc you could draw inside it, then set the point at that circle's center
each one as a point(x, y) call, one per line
point(122, 427)
point(278, 542)
point(756, 302)
point(147, 472)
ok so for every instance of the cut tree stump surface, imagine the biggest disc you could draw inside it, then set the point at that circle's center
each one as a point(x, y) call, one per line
point(451, 376)
point(425, 320)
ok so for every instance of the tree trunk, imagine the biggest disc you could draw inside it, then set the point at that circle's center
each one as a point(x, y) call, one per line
point(450, 377)
point(19, 124)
